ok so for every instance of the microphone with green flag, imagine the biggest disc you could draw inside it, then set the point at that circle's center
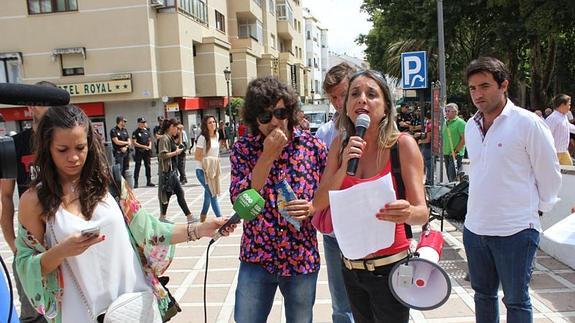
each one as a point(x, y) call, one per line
point(247, 206)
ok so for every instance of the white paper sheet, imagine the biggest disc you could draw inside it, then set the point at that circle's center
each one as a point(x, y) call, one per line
point(563, 231)
point(353, 211)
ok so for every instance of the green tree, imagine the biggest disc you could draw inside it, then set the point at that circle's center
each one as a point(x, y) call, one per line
point(528, 35)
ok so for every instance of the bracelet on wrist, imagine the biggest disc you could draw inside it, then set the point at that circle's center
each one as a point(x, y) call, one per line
point(192, 231)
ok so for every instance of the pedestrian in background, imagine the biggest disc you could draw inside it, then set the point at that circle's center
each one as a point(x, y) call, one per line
point(73, 277)
point(424, 141)
point(142, 139)
point(168, 170)
point(273, 252)
point(208, 168)
point(222, 137)
point(368, 287)
point(335, 85)
point(158, 131)
point(453, 141)
point(121, 144)
point(514, 173)
point(192, 138)
point(182, 142)
point(560, 127)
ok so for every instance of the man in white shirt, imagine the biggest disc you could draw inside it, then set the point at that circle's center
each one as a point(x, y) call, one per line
point(514, 174)
point(558, 122)
point(335, 85)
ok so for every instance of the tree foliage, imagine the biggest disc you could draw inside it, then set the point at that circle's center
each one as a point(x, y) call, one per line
point(535, 38)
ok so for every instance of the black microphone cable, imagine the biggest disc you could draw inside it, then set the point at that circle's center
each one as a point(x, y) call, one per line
point(212, 241)
point(9, 288)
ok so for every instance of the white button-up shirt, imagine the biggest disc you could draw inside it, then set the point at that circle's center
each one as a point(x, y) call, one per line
point(514, 172)
point(560, 128)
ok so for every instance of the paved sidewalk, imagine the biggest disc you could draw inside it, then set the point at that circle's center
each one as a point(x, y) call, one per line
point(553, 284)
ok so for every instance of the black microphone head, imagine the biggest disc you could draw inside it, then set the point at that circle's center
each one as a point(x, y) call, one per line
point(32, 95)
point(363, 121)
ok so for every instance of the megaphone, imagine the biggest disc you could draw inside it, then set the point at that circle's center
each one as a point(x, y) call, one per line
point(418, 282)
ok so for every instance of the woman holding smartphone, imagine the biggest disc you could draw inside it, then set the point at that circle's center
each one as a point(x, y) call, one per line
point(73, 277)
point(208, 169)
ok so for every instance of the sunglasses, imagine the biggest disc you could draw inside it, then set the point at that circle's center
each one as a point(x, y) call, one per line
point(266, 116)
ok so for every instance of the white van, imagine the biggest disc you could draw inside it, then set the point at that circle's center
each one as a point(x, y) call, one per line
point(317, 114)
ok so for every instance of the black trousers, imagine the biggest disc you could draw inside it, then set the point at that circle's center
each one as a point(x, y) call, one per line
point(181, 158)
point(176, 187)
point(142, 156)
point(122, 159)
point(370, 298)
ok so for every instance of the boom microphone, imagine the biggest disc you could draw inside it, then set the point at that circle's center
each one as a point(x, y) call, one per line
point(361, 125)
point(247, 206)
point(32, 95)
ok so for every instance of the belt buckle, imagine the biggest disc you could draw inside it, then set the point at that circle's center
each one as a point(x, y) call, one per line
point(369, 265)
point(347, 263)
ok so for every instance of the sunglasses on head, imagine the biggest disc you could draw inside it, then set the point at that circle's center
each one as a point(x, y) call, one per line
point(280, 113)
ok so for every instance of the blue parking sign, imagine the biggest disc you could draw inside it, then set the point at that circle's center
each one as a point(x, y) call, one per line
point(414, 70)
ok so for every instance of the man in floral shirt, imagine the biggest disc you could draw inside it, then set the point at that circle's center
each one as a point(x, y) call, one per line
point(273, 251)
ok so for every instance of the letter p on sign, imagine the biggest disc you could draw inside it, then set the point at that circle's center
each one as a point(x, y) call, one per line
point(414, 70)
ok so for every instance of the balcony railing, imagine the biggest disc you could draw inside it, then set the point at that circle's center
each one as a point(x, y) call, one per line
point(197, 9)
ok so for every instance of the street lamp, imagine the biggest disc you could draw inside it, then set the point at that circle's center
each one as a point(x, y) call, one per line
point(228, 75)
point(312, 96)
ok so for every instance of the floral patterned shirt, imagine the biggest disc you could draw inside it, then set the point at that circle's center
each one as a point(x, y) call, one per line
point(269, 240)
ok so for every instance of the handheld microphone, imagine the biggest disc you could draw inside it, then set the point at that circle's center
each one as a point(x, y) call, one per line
point(247, 206)
point(361, 125)
point(32, 95)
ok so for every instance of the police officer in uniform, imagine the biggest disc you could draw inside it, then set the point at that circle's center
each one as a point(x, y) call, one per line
point(142, 140)
point(121, 144)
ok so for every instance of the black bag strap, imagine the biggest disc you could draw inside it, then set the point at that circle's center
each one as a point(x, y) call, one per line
point(396, 171)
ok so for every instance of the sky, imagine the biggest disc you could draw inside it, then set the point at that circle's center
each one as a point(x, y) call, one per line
point(344, 21)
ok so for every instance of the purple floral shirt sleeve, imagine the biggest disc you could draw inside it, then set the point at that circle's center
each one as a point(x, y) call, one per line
point(269, 240)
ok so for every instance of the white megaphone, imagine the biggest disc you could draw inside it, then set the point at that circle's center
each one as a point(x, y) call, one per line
point(418, 282)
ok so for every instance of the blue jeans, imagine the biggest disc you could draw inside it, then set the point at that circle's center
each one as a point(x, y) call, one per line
point(208, 198)
point(339, 303)
point(256, 290)
point(508, 260)
point(450, 166)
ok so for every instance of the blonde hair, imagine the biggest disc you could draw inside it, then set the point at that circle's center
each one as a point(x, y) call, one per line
point(387, 129)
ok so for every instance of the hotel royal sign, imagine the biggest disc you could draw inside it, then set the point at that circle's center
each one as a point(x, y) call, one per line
point(98, 88)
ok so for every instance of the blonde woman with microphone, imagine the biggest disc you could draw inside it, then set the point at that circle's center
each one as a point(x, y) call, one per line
point(367, 286)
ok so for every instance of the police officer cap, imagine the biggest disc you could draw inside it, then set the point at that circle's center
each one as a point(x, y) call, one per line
point(141, 120)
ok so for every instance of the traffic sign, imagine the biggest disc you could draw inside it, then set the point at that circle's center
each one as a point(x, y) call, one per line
point(414, 70)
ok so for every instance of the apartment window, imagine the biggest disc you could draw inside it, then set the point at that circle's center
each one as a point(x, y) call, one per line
point(309, 62)
point(285, 12)
point(308, 35)
point(10, 64)
point(197, 9)
point(258, 2)
point(48, 6)
point(272, 7)
point(72, 64)
point(220, 22)
point(250, 29)
point(273, 41)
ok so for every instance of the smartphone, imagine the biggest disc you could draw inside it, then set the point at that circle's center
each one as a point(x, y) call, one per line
point(91, 232)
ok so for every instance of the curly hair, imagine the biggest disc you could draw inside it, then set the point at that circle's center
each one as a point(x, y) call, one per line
point(388, 132)
point(263, 94)
point(95, 175)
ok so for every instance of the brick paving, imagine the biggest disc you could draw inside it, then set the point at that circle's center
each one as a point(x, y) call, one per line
point(552, 286)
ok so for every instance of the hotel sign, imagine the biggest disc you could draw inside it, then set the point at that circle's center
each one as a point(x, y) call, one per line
point(98, 88)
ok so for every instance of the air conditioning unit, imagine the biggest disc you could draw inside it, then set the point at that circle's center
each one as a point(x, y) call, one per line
point(157, 3)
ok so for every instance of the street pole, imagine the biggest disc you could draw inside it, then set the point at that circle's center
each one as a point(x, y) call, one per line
point(228, 76)
point(442, 81)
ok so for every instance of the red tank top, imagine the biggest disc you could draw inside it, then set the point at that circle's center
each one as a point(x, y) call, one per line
point(401, 243)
